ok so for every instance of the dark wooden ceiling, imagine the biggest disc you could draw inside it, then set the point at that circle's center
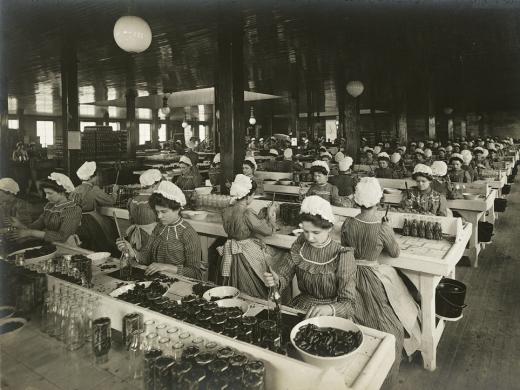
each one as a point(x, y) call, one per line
point(463, 54)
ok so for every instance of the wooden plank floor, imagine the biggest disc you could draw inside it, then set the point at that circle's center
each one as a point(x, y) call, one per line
point(482, 351)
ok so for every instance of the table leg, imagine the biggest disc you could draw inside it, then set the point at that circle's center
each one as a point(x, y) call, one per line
point(474, 246)
point(428, 345)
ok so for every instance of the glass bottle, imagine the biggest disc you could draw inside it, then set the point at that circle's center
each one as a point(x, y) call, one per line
point(164, 345)
point(101, 339)
point(428, 231)
point(439, 230)
point(178, 371)
point(414, 229)
point(149, 368)
point(406, 228)
point(136, 355)
point(74, 329)
point(253, 382)
point(46, 321)
point(162, 380)
point(421, 229)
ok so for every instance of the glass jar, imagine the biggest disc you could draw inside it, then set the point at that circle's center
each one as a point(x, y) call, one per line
point(177, 349)
point(237, 360)
point(178, 371)
point(190, 353)
point(235, 375)
point(136, 352)
point(204, 319)
point(269, 330)
point(198, 342)
point(101, 338)
point(151, 341)
point(164, 345)
point(211, 347)
point(235, 316)
point(149, 368)
point(189, 300)
point(249, 325)
point(161, 330)
point(217, 383)
point(74, 332)
point(230, 329)
point(185, 338)
point(217, 324)
point(172, 333)
point(255, 367)
point(162, 379)
point(204, 359)
point(217, 367)
point(253, 381)
point(225, 353)
point(209, 306)
point(193, 379)
point(192, 312)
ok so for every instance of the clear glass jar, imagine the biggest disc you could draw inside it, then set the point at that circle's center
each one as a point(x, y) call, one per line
point(164, 345)
point(149, 368)
point(172, 333)
point(253, 381)
point(162, 369)
point(193, 380)
point(177, 349)
point(225, 353)
point(152, 341)
point(178, 371)
point(136, 355)
point(74, 330)
point(211, 347)
point(161, 330)
point(185, 338)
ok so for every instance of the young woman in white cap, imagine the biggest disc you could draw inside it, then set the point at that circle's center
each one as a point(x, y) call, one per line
point(397, 165)
point(457, 173)
point(61, 217)
point(174, 246)
point(141, 216)
point(12, 206)
point(249, 168)
point(244, 256)
point(368, 158)
point(383, 170)
point(215, 171)
point(96, 231)
point(189, 178)
point(423, 199)
point(382, 300)
point(440, 177)
point(320, 171)
point(325, 270)
point(469, 164)
point(344, 180)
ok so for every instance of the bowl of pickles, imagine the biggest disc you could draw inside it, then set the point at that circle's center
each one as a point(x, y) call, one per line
point(327, 341)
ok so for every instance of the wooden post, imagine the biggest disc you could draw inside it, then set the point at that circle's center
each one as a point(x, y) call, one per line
point(229, 92)
point(463, 128)
point(132, 137)
point(352, 126)
point(5, 153)
point(69, 103)
point(21, 119)
point(155, 128)
point(402, 127)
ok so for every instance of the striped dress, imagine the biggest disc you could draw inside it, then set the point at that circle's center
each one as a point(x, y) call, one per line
point(325, 275)
point(245, 257)
point(326, 191)
point(142, 220)
point(369, 238)
point(58, 221)
point(460, 176)
point(176, 244)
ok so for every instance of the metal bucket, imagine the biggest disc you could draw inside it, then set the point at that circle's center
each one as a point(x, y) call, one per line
point(449, 298)
point(500, 205)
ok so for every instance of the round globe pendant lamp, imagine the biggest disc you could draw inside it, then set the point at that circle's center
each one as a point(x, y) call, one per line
point(132, 34)
point(355, 88)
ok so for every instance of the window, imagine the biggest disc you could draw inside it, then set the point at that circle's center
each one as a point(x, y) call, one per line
point(144, 113)
point(112, 112)
point(45, 131)
point(83, 124)
point(162, 133)
point(144, 133)
point(12, 103)
point(111, 93)
point(202, 132)
point(13, 124)
point(87, 110)
point(116, 126)
point(331, 130)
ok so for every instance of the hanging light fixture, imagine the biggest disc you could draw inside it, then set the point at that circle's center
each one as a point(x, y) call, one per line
point(165, 109)
point(184, 122)
point(448, 110)
point(252, 119)
point(132, 34)
point(355, 88)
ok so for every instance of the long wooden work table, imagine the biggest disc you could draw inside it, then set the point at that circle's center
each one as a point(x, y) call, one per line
point(424, 261)
point(367, 369)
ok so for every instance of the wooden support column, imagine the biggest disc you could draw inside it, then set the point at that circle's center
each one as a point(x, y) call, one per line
point(69, 103)
point(340, 97)
point(21, 125)
point(352, 126)
point(155, 128)
point(432, 134)
point(132, 138)
point(402, 127)
point(229, 92)
point(463, 128)
point(294, 103)
point(430, 117)
point(450, 128)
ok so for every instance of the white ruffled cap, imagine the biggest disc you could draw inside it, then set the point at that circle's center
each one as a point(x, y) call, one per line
point(319, 163)
point(326, 154)
point(466, 156)
point(419, 151)
point(395, 157)
point(87, 170)
point(428, 152)
point(442, 148)
point(241, 186)
point(186, 160)
point(62, 180)
point(9, 185)
point(287, 153)
point(486, 153)
point(315, 205)
point(420, 145)
point(339, 156)
point(421, 168)
point(383, 155)
point(368, 192)
point(401, 147)
point(216, 159)
point(150, 177)
point(479, 149)
point(457, 156)
point(345, 163)
point(377, 149)
point(252, 161)
point(367, 149)
point(439, 168)
point(172, 192)
point(273, 152)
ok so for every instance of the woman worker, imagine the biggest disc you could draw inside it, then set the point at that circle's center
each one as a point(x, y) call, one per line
point(423, 199)
point(11, 206)
point(325, 270)
point(457, 173)
point(141, 216)
point(215, 171)
point(245, 257)
point(382, 300)
point(60, 218)
point(189, 178)
point(320, 171)
point(440, 178)
point(174, 246)
point(249, 169)
point(383, 170)
point(95, 232)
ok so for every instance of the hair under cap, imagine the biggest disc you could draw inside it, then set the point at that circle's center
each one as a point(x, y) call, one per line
point(316, 205)
point(172, 192)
